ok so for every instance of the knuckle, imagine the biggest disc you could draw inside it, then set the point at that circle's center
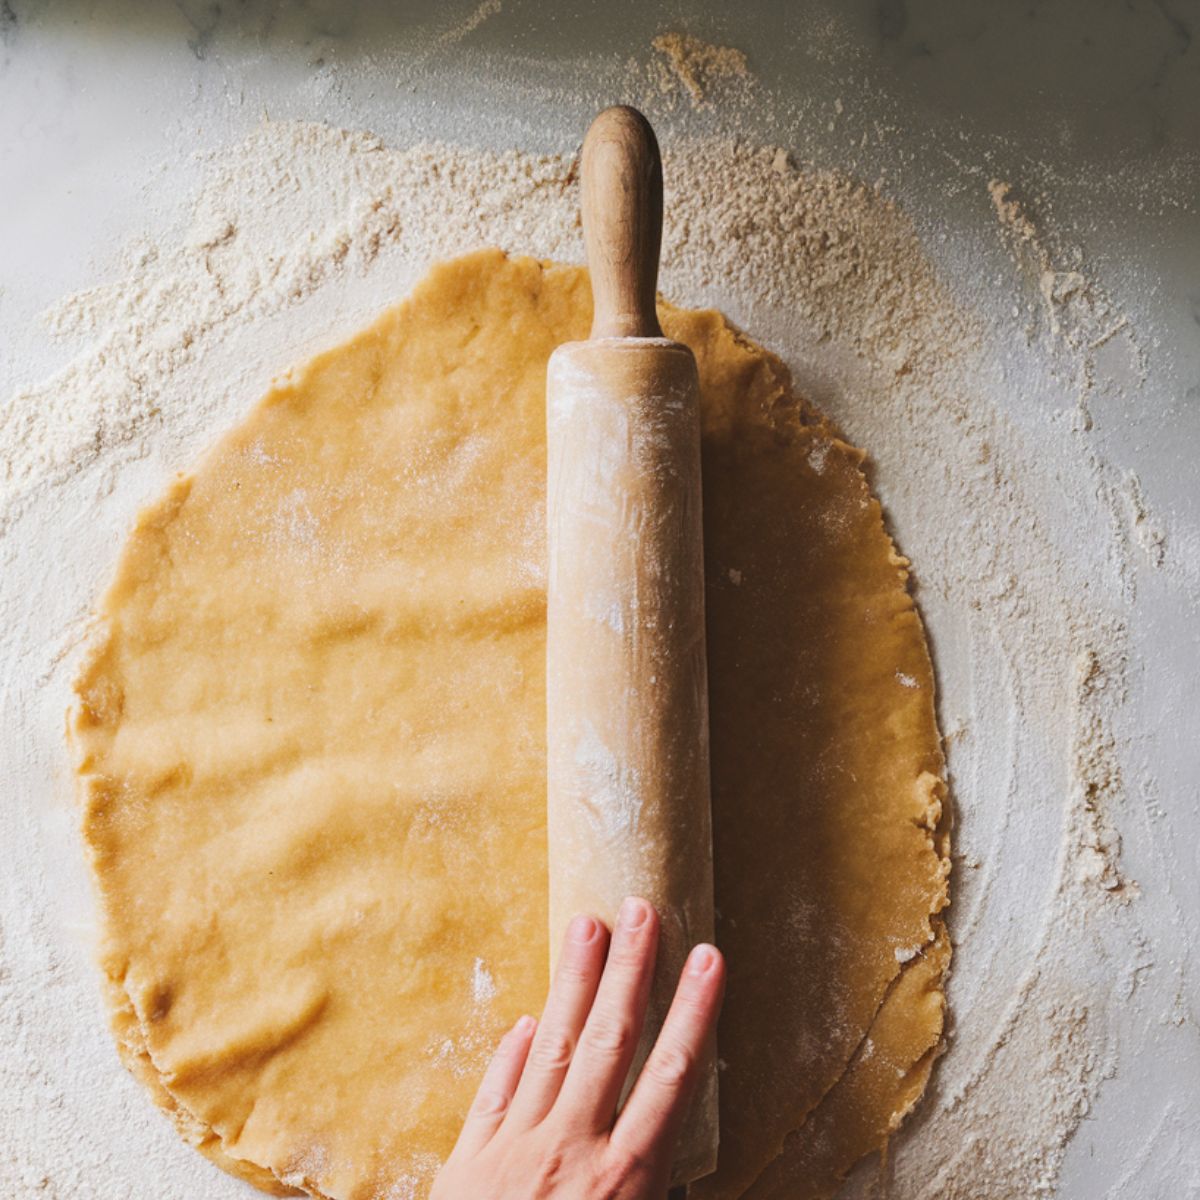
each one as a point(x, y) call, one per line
point(620, 1172)
point(548, 1172)
point(552, 1051)
point(669, 1066)
point(627, 957)
point(608, 1035)
point(574, 970)
point(693, 996)
point(489, 1104)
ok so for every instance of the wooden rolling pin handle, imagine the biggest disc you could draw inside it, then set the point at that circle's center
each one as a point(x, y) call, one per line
point(622, 222)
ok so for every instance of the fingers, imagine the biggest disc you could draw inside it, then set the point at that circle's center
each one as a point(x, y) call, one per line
point(571, 996)
point(648, 1126)
point(497, 1088)
point(610, 1037)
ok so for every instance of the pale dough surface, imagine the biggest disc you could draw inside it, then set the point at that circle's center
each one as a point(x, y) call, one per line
point(310, 739)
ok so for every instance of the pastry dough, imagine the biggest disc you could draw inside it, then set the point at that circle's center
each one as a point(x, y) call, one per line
point(310, 739)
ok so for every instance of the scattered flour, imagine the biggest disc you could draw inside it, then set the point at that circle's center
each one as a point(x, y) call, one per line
point(696, 66)
point(483, 985)
point(468, 1054)
point(302, 225)
point(484, 12)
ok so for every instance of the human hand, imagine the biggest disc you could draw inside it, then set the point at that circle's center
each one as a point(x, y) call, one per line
point(543, 1125)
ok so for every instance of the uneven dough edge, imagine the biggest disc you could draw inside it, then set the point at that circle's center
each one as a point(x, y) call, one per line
point(793, 1175)
point(101, 708)
point(131, 1049)
point(792, 417)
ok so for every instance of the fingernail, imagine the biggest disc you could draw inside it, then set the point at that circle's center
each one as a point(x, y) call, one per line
point(634, 913)
point(701, 960)
point(524, 1025)
point(582, 929)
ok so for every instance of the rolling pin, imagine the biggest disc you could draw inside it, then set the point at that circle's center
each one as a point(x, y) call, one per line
point(629, 811)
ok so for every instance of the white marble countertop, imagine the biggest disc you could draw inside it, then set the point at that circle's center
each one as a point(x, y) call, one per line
point(1094, 105)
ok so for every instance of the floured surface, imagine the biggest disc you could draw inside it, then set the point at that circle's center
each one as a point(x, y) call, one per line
point(312, 745)
point(1033, 478)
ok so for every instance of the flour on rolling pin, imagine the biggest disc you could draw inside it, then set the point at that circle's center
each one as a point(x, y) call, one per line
point(627, 703)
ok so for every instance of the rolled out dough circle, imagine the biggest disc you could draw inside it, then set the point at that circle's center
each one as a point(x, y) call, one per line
point(311, 751)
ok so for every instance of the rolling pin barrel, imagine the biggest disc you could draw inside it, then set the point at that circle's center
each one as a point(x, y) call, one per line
point(627, 709)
